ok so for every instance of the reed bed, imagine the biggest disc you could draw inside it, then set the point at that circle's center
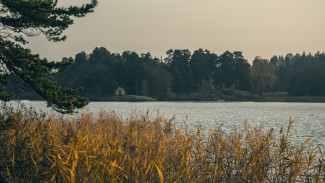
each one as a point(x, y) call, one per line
point(106, 148)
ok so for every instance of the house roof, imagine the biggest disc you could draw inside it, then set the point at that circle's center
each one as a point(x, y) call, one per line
point(120, 88)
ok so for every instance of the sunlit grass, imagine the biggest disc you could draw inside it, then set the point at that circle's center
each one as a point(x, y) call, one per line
point(49, 148)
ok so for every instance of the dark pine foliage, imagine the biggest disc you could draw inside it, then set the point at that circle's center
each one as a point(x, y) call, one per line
point(179, 73)
point(300, 74)
point(20, 19)
point(310, 82)
point(182, 72)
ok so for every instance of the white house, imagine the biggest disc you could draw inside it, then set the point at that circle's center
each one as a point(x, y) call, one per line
point(120, 91)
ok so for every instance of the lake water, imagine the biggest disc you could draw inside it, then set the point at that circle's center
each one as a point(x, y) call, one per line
point(309, 117)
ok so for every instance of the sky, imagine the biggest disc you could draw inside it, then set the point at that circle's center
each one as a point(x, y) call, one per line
point(255, 27)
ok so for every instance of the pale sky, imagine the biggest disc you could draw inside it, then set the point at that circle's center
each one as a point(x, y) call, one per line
point(255, 27)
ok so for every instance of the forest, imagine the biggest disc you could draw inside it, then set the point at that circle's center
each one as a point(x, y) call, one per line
point(181, 73)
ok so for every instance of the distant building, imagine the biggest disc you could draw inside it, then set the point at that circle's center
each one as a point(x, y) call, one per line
point(120, 91)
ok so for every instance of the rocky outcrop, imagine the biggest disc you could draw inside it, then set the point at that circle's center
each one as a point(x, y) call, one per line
point(133, 98)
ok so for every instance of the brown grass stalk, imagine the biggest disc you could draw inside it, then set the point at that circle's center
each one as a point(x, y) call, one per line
point(106, 148)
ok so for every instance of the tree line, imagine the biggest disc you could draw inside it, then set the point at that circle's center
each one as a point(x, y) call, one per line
point(300, 74)
point(182, 72)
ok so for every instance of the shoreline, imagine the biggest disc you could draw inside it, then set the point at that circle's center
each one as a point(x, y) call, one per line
point(288, 99)
point(226, 95)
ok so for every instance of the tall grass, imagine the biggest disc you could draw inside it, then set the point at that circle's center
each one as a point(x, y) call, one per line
point(49, 148)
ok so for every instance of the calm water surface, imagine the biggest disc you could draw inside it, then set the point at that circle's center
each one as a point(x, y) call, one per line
point(309, 117)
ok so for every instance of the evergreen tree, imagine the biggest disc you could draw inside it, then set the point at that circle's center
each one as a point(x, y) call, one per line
point(242, 71)
point(27, 18)
point(178, 66)
point(225, 72)
point(202, 65)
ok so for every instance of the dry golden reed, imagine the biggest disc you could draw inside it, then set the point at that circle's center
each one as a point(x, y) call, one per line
point(105, 148)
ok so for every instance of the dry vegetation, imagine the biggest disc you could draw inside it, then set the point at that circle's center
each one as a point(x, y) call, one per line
point(49, 148)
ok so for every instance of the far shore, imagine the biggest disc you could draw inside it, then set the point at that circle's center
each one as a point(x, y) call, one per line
point(203, 95)
point(137, 98)
point(313, 99)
